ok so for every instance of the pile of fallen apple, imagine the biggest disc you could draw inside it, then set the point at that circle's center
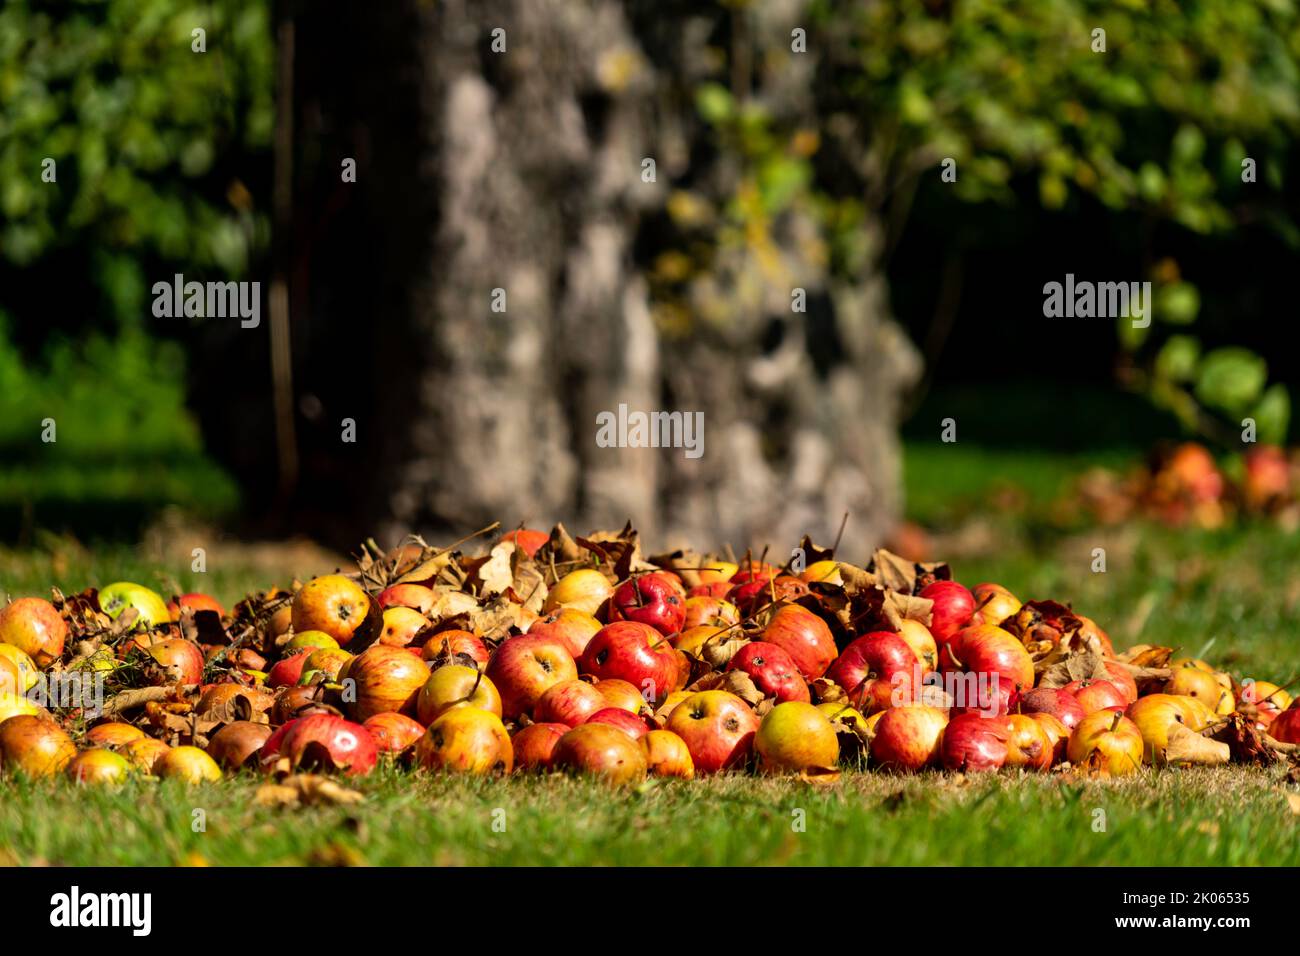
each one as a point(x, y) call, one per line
point(554, 653)
point(1184, 486)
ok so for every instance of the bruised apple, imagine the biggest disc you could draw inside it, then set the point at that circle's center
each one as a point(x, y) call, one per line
point(718, 728)
point(401, 625)
point(795, 736)
point(534, 745)
point(466, 740)
point(454, 641)
point(1028, 745)
point(667, 755)
point(602, 751)
point(393, 733)
point(1106, 742)
point(454, 685)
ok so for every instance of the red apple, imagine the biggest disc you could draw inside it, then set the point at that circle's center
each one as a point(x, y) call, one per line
point(908, 737)
point(649, 599)
point(972, 742)
point(987, 650)
point(1122, 679)
point(523, 668)
point(630, 724)
point(453, 641)
point(570, 702)
point(575, 628)
point(1286, 726)
point(771, 670)
point(177, 662)
point(1094, 695)
point(805, 637)
point(385, 679)
point(326, 742)
point(988, 695)
point(603, 751)
point(415, 596)
point(534, 745)
point(748, 592)
point(34, 627)
point(1056, 701)
point(286, 672)
point(638, 654)
point(953, 608)
point(195, 602)
point(1267, 476)
point(393, 733)
point(867, 669)
point(716, 589)
point(718, 729)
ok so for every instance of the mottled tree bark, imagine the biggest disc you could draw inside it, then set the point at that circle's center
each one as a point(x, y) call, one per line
point(521, 171)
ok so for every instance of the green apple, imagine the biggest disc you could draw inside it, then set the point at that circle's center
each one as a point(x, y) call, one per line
point(150, 607)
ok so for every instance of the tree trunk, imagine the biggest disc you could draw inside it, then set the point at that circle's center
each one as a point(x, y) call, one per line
point(521, 171)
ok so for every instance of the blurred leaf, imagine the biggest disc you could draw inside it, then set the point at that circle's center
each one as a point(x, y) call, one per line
point(1273, 415)
point(714, 103)
point(1177, 358)
point(1178, 303)
point(1231, 379)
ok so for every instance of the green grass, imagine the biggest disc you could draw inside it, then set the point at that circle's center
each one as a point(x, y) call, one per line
point(1203, 817)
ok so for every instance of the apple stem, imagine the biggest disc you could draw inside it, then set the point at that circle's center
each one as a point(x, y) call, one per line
point(1115, 723)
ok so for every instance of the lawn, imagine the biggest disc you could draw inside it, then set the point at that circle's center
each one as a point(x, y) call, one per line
point(1202, 817)
point(1230, 596)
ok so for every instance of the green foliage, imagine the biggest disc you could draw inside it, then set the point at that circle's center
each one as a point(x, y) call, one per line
point(141, 128)
point(1160, 123)
point(151, 144)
